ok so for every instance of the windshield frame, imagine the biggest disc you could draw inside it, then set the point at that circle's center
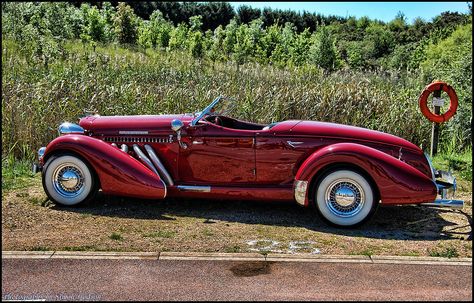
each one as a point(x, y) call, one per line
point(206, 111)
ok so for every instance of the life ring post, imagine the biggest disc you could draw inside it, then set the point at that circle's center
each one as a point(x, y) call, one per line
point(435, 127)
point(437, 118)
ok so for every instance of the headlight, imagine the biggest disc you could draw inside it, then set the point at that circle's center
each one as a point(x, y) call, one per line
point(41, 152)
point(70, 128)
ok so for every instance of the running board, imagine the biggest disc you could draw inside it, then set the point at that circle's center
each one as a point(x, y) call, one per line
point(445, 203)
point(232, 192)
point(198, 189)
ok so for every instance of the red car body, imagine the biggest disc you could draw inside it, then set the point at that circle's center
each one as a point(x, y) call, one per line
point(226, 158)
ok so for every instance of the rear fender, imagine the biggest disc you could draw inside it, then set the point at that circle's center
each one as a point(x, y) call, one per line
point(396, 181)
point(118, 172)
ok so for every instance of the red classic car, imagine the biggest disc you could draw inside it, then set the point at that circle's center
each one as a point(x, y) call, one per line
point(344, 172)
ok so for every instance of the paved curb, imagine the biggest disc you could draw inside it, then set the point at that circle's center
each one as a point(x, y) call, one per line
point(234, 257)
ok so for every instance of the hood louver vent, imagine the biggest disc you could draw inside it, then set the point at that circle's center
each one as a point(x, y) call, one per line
point(139, 139)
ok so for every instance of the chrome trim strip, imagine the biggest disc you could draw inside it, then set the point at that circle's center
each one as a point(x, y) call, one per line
point(166, 188)
point(445, 203)
point(300, 188)
point(133, 132)
point(70, 128)
point(193, 188)
point(144, 158)
point(161, 168)
point(433, 170)
point(293, 143)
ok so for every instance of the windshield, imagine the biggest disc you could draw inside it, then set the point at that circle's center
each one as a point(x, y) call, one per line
point(219, 106)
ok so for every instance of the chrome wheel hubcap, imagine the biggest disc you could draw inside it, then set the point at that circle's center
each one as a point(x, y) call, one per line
point(345, 197)
point(68, 180)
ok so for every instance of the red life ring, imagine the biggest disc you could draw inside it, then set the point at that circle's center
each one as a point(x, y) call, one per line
point(453, 101)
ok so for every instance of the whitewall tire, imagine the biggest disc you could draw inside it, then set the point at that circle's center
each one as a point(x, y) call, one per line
point(345, 198)
point(68, 180)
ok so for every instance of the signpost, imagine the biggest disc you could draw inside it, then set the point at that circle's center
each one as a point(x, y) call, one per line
point(437, 103)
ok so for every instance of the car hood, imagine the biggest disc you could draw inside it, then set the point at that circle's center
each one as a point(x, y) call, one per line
point(334, 130)
point(116, 124)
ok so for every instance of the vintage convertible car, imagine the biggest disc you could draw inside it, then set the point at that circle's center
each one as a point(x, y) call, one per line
point(345, 172)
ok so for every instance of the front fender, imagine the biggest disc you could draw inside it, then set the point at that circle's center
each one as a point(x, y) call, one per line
point(396, 181)
point(118, 172)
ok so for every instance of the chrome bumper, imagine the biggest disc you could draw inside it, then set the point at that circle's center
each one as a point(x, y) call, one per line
point(36, 167)
point(300, 188)
point(446, 184)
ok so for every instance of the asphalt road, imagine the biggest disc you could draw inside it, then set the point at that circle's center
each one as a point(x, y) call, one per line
point(70, 279)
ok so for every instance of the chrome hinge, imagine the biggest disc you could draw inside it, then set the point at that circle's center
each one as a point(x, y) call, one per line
point(293, 143)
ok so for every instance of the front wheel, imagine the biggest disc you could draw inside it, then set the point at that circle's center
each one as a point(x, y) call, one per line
point(68, 180)
point(345, 198)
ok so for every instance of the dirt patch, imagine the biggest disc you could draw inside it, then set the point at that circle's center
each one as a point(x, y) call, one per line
point(251, 268)
point(30, 222)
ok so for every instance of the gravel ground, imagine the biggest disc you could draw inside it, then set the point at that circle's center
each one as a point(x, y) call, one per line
point(29, 222)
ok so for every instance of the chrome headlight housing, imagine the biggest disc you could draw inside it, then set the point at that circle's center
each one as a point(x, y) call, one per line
point(41, 152)
point(70, 128)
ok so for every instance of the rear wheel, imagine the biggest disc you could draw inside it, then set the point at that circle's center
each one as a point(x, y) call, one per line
point(345, 198)
point(68, 180)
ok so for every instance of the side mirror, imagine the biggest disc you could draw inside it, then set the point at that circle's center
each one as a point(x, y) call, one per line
point(177, 125)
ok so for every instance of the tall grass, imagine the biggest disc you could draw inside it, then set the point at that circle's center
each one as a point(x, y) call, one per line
point(119, 81)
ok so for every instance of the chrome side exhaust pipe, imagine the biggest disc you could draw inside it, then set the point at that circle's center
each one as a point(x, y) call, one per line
point(445, 203)
point(144, 158)
point(159, 166)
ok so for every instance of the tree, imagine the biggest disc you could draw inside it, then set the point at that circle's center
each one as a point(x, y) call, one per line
point(381, 38)
point(178, 37)
point(94, 24)
point(195, 23)
point(108, 13)
point(196, 37)
point(243, 46)
point(323, 51)
point(196, 44)
point(125, 24)
point(246, 14)
point(230, 37)
point(282, 52)
point(216, 13)
point(215, 51)
point(300, 48)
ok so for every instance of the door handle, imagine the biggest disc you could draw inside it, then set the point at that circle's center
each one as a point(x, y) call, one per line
point(198, 141)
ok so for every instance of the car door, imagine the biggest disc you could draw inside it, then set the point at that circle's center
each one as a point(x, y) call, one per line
point(215, 155)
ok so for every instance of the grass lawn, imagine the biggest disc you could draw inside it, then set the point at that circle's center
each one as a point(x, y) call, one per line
point(31, 222)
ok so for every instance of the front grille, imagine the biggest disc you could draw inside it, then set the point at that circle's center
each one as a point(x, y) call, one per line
point(120, 139)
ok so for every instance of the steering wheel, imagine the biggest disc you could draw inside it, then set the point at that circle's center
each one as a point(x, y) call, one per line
point(217, 121)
